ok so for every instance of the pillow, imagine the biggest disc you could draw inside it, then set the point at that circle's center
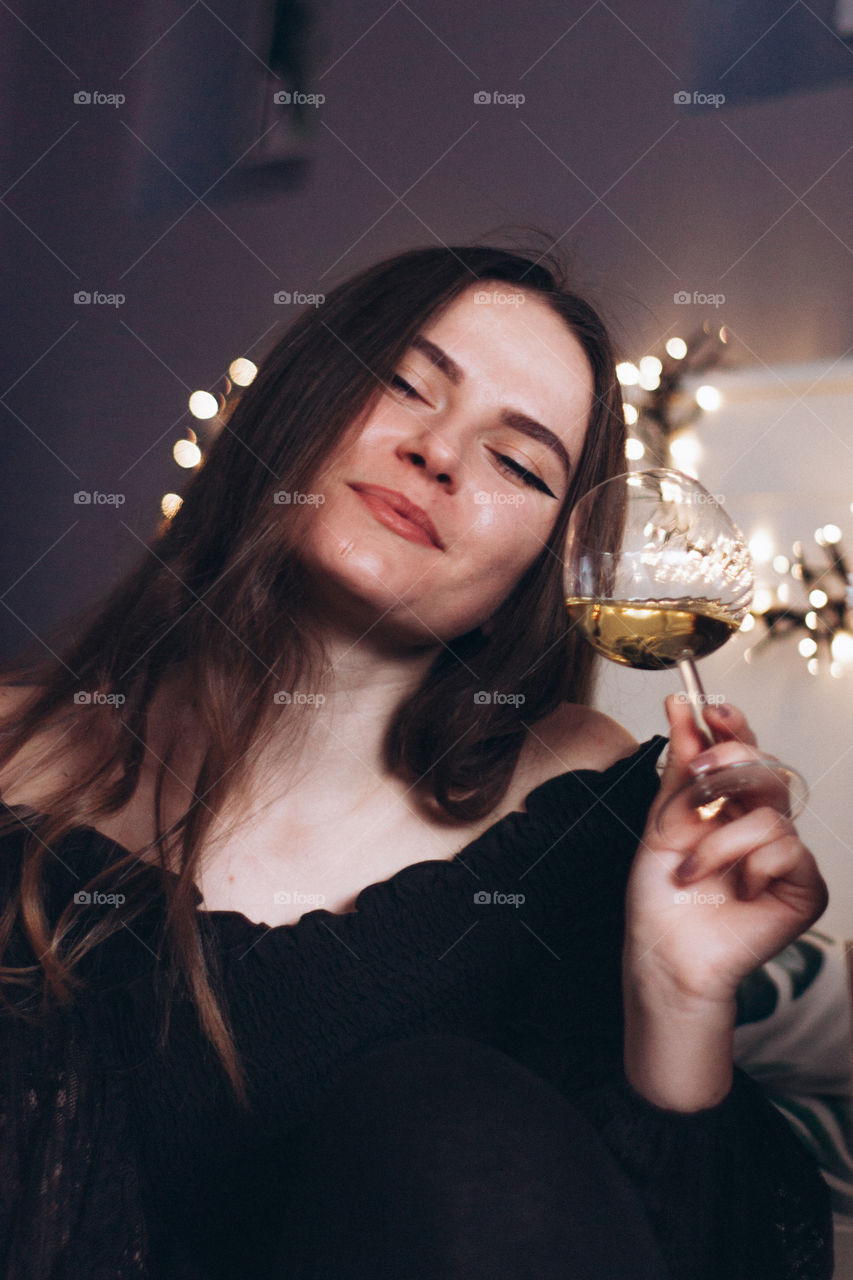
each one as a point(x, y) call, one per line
point(794, 1036)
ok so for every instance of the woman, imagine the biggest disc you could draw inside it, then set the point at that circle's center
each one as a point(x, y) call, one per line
point(358, 952)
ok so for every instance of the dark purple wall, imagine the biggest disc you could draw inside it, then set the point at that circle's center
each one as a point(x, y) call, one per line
point(654, 199)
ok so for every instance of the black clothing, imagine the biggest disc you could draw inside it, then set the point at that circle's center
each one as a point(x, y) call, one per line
point(440, 1158)
point(154, 1172)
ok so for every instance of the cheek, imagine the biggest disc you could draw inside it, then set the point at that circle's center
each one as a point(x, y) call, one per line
point(506, 534)
point(342, 557)
point(356, 447)
point(513, 518)
point(371, 431)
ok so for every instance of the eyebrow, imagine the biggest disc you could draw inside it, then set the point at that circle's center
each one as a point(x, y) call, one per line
point(510, 417)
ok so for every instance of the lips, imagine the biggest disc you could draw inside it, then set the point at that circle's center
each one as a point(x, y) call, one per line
point(401, 504)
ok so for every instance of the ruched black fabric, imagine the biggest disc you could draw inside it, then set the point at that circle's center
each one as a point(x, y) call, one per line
point(511, 953)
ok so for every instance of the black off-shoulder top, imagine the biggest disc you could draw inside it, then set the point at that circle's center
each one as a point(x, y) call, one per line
point(516, 941)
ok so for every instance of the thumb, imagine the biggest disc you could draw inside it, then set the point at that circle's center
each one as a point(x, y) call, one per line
point(685, 743)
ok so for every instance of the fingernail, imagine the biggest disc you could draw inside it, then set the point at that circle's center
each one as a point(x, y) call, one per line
point(687, 868)
point(702, 764)
point(725, 712)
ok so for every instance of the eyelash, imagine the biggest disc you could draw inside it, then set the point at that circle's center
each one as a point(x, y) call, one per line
point(509, 465)
point(407, 387)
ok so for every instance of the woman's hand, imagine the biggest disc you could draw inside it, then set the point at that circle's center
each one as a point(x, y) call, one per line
point(752, 885)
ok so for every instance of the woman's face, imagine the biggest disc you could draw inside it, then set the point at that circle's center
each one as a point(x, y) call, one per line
point(481, 430)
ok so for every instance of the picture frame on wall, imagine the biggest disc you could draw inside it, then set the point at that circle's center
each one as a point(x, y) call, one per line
point(223, 103)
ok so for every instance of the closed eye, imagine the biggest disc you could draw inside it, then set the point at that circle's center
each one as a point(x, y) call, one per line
point(406, 387)
point(510, 466)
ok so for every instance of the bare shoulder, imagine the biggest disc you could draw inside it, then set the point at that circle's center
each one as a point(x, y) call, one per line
point(578, 737)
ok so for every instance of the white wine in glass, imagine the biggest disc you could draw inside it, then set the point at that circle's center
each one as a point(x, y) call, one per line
point(656, 575)
point(652, 633)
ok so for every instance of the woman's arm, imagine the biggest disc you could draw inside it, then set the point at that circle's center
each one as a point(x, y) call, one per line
point(729, 1187)
point(678, 1056)
point(754, 887)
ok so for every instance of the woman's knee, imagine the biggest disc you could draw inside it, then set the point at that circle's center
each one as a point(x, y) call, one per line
point(448, 1150)
point(463, 1107)
point(441, 1064)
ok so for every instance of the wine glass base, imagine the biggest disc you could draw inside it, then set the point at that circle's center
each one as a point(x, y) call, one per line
point(733, 790)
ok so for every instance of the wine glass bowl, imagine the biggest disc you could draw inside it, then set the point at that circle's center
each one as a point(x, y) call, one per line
point(656, 575)
point(655, 570)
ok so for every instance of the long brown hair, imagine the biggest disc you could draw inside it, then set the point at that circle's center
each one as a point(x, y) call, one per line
point(219, 591)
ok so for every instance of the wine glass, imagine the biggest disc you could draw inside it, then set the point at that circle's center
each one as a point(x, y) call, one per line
point(656, 575)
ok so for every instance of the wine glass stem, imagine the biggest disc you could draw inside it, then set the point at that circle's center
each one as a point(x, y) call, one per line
point(695, 696)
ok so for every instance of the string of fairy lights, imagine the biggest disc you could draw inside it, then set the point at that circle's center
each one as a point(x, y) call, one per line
point(813, 603)
point(213, 410)
point(659, 409)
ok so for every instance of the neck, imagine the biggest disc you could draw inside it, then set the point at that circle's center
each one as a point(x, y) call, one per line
point(338, 763)
point(341, 751)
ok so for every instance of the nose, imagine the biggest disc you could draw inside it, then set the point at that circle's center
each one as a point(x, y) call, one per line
point(433, 450)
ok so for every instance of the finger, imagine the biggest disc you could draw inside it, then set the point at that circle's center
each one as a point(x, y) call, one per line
point(744, 777)
point(744, 786)
point(684, 824)
point(689, 754)
point(723, 754)
point(731, 839)
point(727, 721)
point(685, 742)
point(777, 861)
point(729, 842)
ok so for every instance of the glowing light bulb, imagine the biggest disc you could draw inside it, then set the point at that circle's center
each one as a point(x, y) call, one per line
point(169, 504)
point(186, 454)
point(842, 647)
point(761, 547)
point(813, 666)
point(651, 366)
point(762, 600)
point(708, 398)
point(818, 598)
point(781, 564)
point(627, 373)
point(748, 623)
point(686, 452)
point(831, 533)
point(634, 449)
point(203, 404)
point(242, 371)
point(677, 348)
point(631, 414)
point(670, 491)
point(648, 380)
point(807, 646)
point(783, 591)
point(811, 620)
